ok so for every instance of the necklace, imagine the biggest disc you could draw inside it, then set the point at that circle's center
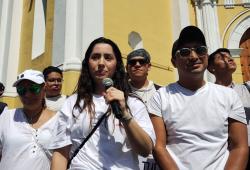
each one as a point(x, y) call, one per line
point(31, 118)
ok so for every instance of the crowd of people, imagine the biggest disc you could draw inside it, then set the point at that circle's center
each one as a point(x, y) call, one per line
point(119, 119)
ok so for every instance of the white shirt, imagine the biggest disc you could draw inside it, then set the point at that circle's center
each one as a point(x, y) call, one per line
point(197, 123)
point(145, 93)
point(244, 95)
point(55, 103)
point(22, 146)
point(108, 147)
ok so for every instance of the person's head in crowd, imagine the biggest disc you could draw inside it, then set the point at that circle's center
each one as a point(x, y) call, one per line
point(30, 86)
point(138, 65)
point(189, 54)
point(221, 63)
point(1, 89)
point(53, 80)
point(102, 60)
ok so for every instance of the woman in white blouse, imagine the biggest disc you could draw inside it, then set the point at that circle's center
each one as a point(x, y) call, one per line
point(26, 133)
point(118, 141)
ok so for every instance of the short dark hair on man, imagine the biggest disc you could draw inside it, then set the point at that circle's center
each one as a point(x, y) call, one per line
point(219, 50)
point(174, 49)
point(2, 87)
point(51, 69)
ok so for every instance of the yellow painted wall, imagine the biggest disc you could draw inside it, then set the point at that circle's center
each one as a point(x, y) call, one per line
point(26, 37)
point(153, 22)
point(70, 81)
point(13, 102)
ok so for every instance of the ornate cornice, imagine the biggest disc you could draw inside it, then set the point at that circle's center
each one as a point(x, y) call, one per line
point(202, 2)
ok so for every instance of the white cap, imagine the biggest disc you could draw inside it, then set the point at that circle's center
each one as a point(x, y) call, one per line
point(32, 75)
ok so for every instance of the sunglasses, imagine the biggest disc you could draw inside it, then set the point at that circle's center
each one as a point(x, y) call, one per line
point(184, 52)
point(34, 89)
point(134, 62)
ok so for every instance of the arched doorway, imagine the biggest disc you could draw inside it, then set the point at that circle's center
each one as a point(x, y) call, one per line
point(245, 55)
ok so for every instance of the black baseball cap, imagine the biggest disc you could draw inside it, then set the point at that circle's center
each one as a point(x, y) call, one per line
point(188, 34)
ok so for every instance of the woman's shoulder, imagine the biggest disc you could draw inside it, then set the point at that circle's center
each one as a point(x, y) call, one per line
point(71, 97)
point(71, 100)
point(11, 115)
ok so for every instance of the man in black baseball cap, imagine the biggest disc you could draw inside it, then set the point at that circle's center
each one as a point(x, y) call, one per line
point(138, 67)
point(190, 48)
point(195, 120)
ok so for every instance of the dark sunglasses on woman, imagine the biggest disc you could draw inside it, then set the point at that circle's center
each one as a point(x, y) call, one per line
point(34, 89)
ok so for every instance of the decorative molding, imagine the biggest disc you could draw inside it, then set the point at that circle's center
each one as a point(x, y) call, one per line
point(232, 21)
point(235, 53)
point(229, 3)
point(202, 2)
point(237, 32)
point(72, 64)
point(246, 3)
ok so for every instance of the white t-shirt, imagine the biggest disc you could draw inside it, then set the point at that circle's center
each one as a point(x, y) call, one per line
point(145, 94)
point(197, 123)
point(244, 95)
point(108, 147)
point(22, 146)
point(55, 103)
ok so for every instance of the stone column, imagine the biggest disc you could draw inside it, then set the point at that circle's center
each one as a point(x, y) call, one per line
point(207, 20)
point(73, 35)
point(10, 34)
point(84, 23)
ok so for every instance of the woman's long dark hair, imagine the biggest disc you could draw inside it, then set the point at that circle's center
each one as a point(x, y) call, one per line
point(85, 87)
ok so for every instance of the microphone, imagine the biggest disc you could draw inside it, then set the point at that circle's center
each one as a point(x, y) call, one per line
point(115, 106)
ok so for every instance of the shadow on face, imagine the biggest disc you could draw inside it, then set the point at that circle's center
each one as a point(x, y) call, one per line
point(30, 93)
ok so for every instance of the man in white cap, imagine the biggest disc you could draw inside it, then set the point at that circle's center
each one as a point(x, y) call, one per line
point(198, 124)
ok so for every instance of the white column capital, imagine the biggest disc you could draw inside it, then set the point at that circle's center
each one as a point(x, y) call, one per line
point(72, 64)
point(203, 2)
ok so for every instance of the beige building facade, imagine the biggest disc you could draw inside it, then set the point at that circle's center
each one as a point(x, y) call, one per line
point(38, 33)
